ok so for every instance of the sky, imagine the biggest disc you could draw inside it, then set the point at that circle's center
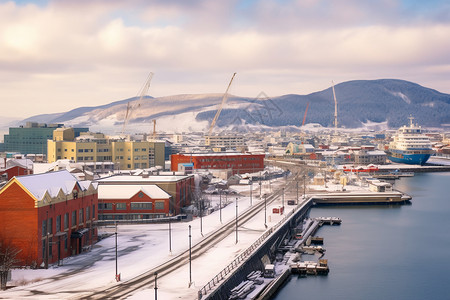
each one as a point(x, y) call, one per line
point(60, 55)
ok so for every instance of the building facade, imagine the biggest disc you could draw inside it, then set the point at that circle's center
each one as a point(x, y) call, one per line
point(96, 147)
point(48, 216)
point(32, 137)
point(133, 202)
point(180, 188)
point(239, 163)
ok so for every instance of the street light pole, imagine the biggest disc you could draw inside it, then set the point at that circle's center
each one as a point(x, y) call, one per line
point(170, 237)
point(236, 220)
point(282, 202)
point(220, 205)
point(156, 286)
point(190, 258)
point(265, 210)
point(117, 274)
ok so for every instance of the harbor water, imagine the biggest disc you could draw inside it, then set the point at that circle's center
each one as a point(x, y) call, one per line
point(385, 252)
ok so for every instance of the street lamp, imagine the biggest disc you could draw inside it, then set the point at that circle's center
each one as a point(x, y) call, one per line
point(282, 201)
point(156, 286)
point(117, 274)
point(220, 205)
point(236, 220)
point(265, 210)
point(170, 237)
point(190, 258)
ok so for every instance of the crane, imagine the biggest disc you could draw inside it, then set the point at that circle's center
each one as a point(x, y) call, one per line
point(304, 116)
point(335, 109)
point(224, 99)
point(130, 108)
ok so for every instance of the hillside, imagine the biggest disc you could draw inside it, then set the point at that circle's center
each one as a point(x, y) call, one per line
point(359, 102)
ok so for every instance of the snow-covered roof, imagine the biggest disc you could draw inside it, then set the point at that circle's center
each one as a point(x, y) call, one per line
point(51, 183)
point(127, 191)
point(131, 178)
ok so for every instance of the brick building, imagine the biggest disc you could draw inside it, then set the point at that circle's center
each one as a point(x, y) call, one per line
point(48, 216)
point(180, 188)
point(238, 163)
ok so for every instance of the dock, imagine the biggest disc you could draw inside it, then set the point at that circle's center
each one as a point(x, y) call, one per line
point(361, 198)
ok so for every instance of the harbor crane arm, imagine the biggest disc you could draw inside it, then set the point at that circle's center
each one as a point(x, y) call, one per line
point(224, 99)
point(335, 109)
point(130, 108)
point(304, 116)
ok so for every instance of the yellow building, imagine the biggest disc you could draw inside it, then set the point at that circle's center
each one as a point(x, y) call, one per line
point(96, 147)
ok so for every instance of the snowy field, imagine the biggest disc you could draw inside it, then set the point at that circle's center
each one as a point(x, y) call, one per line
point(143, 247)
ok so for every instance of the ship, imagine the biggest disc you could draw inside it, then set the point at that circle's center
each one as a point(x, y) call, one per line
point(410, 145)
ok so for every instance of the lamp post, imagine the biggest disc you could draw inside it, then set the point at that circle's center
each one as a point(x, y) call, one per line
point(236, 220)
point(265, 210)
point(170, 237)
point(251, 187)
point(220, 205)
point(190, 258)
point(282, 202)
point(156, 286)
point(117, 274)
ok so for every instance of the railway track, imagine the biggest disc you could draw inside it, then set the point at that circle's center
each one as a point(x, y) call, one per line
point(144, 280)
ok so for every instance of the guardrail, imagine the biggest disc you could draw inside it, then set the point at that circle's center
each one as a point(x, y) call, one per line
point(241, 257)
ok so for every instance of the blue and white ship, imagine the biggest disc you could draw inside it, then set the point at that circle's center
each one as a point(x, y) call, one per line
point(410, 145)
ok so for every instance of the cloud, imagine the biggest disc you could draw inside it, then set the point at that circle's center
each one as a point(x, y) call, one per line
point(65, 54)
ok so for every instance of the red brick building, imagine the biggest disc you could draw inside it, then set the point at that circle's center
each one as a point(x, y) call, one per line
point(48, 216)
point(10, 172)
point(239, 163)
point(133, 202)
point(180, 188)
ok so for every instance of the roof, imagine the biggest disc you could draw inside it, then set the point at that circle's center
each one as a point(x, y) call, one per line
point(127, 191)
point(51, 182)
point(149, 179)
point(220, 154)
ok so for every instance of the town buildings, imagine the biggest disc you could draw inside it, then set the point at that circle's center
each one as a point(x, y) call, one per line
point(238, 163)
point(48, 216)
point(32, 137)
point(144, 197)
point(96, 147)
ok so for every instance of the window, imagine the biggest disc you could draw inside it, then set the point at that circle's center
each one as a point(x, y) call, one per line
point(102, 206)
point(58, 223)
point(80, 150)
point(141, 205)
point(44, 228)
point(93, 211)
point(66, 221)
point(50, 247)
point(121, 206)
point(74, 218)
point(50, 226)
point(159, 205)
point(87, 213)
point(81, 216)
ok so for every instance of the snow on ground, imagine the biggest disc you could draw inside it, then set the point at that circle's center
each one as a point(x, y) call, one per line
point(142, 247)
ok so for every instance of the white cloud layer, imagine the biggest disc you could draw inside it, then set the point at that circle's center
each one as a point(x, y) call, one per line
point(65, 54)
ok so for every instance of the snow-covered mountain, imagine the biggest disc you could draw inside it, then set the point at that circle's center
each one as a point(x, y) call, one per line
point(387, 102)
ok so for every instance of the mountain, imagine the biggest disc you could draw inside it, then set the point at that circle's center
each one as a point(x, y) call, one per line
point(360, 102)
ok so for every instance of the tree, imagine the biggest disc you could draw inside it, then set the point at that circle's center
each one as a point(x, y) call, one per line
point(8, 260)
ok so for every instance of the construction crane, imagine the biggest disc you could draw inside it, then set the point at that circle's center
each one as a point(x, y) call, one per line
point(224, 99)
point(304, 116)
point(130, 107)
point(335, 110)
point(154, 129)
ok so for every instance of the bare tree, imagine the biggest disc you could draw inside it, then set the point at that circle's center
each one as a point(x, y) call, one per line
point(8, 260)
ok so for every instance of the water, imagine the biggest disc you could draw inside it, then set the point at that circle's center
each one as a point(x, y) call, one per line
point(385, 252)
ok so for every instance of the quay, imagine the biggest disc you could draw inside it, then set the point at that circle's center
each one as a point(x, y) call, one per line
point(360, 198)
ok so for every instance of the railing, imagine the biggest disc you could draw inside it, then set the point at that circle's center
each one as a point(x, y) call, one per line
point(235, 263)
